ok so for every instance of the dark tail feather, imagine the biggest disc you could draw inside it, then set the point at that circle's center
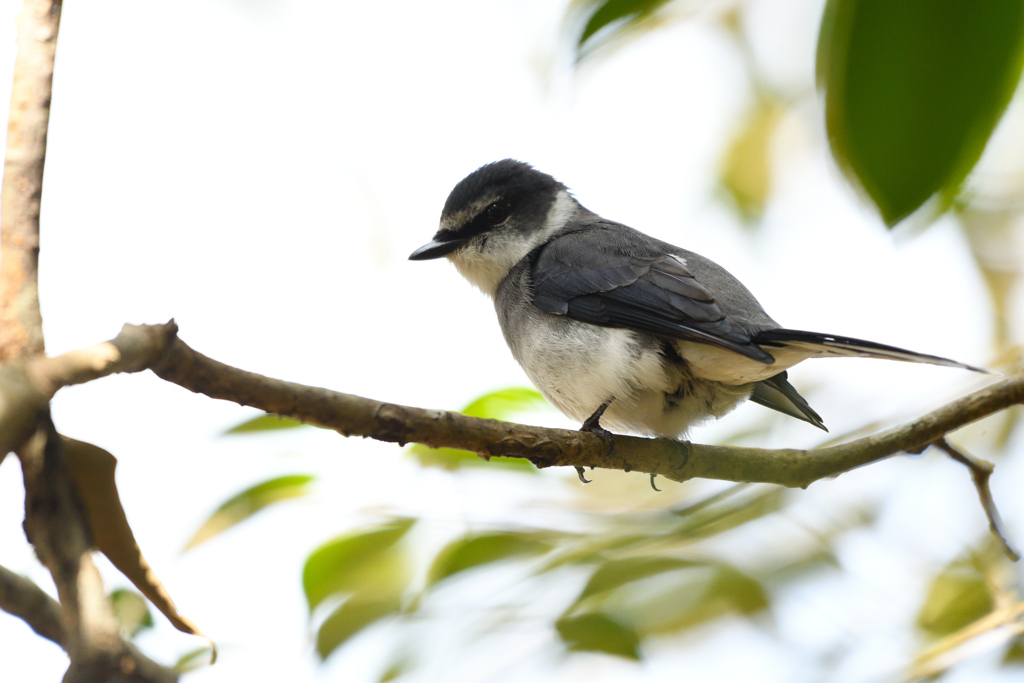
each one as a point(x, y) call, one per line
point(830, 344)
point(778, 394)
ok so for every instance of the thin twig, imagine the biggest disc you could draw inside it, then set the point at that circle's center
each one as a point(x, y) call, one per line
point(27, 601)
point(981, 472)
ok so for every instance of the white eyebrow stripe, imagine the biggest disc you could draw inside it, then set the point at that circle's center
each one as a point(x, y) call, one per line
point(462, 217)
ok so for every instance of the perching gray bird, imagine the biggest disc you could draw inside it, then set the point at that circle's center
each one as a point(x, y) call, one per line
point(614, 326)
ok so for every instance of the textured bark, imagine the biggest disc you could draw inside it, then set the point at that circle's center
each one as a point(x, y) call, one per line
point(677, 460)
point(158, 348)
point(21, 323)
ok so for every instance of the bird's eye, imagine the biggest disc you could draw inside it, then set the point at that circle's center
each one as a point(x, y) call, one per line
point(496, 213)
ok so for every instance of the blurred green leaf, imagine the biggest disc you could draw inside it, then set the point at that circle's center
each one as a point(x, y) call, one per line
point(800, 566)
point(131, 611)
point(359, 562)
point(473, 551)
point(713, 499)
point(728, 510)
point(746, 174)
point(398, 667)
point(1014, 655)
point(913, 90)
point(689, 597)
point(671, 594)
point(743, 593)
point(445, 458)
point(617, 16)
point(958, 596)
point(615, 573)
point(725, 510)
point(351, 617)
point(598, 632)
point(502, 404)
point(194, 659)
point(992, 234)
point(594, 549)
point(265, 423)
point(250, 501)
point(453, 459)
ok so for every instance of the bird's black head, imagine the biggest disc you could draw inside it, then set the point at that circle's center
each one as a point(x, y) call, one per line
point(508, 197)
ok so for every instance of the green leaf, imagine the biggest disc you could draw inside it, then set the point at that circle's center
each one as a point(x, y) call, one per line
point(615, 573)
point(452, 459)
point(799, 567)
point(352, 616)
point(958, 596)
point(617, 16)
point(687, 598)
point(473, 551)
point(725, 511)
point(359, 562)
point(596, 632)
point(194, 659)
point(1014, 655)
point(131, 611)
point(504, 403)
point(265, 423)
point(914, 89)
point(397, 668)
point(746, 174)
point(250, 501)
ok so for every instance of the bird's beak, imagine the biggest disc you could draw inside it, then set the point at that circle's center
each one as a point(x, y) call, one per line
point(436, 249)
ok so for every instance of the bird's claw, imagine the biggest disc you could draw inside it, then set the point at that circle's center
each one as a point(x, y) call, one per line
point(593, 425)
point(652, 483)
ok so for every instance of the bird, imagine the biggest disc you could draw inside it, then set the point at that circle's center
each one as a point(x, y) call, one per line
point(618, 330)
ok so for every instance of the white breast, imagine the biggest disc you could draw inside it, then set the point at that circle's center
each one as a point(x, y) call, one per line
point(578, 366)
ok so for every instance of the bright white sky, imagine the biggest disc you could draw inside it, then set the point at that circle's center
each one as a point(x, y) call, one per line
point(259, 170)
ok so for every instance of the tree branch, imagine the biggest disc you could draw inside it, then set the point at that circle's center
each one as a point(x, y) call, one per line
point(676, 460)
point(26, 387)
point(28, 602)
point(158, 348)
point(21, 324)
point(54, 524)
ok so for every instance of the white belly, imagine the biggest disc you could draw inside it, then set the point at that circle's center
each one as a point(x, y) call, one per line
point(578, 366)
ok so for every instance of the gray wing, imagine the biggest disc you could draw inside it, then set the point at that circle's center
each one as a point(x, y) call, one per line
point(614, 276)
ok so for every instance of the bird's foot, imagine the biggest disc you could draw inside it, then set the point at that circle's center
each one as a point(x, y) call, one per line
point(593, 425)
